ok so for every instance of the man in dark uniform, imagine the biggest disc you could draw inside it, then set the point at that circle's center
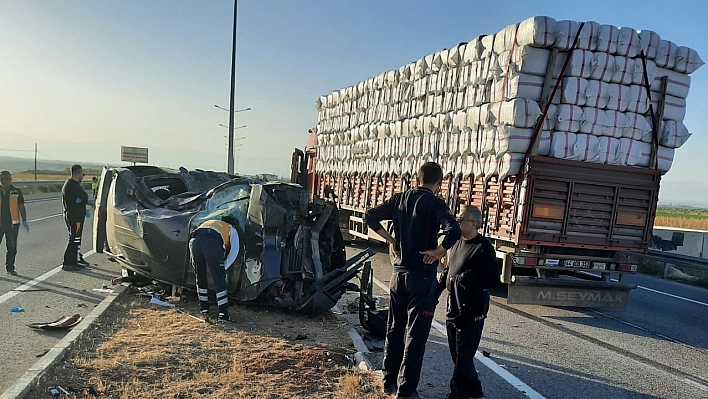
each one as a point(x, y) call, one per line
point(74, 199)
point(417, 215)
point(12, 207)
point(471, 269)
point(214, 245)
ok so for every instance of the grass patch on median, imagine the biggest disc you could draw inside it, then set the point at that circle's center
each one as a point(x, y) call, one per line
point(139, 350)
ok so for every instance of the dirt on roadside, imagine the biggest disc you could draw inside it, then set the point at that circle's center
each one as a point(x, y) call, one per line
point(141, 350)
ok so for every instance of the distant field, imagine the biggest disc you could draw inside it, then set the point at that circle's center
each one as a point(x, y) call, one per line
point(684, 218)
point(45, 175)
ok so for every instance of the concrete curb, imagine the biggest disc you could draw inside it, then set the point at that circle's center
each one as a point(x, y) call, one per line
point(360, 357)
point(20, 388)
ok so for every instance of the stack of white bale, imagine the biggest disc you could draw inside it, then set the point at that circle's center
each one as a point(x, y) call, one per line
point(472, 108)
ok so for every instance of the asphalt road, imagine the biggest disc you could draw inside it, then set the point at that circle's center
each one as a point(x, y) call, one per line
point(58, 293)
point(656, 348)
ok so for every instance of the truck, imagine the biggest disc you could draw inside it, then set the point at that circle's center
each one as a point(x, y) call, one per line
point(559, 218)
point(565, 222)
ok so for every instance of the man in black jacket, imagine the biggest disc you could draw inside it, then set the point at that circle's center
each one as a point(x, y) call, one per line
point(417, 215)
point(74, 199)
point(471, 269)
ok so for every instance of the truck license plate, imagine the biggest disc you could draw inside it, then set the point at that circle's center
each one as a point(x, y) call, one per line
point(584, 264)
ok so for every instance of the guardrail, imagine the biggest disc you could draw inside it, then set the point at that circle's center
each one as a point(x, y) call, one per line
point(44, 186)
point(669, 258)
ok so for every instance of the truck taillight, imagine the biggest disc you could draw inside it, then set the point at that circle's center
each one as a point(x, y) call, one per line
point(631, 219)
point(548, 212)
point(526, 261)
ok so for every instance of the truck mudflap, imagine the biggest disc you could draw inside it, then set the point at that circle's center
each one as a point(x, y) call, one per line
point(576, 293)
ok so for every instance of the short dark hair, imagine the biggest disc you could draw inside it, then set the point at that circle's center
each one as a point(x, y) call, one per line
point(430, 173)
point(75, 169)
point(5, 173)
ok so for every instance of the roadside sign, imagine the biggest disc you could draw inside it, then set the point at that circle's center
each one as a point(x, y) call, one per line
point(133, 154)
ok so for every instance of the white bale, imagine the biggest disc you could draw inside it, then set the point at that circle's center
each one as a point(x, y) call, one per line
point(594, 122)
point(573, 91)
point(454, 148)
point(569, 118)
point(485, 115)
point(608, 150)
point(518, 112)
point(504, 39)
point(473, 51)
point(638, 128)
point(489, 166)
point(606, 39)
point(567, 30)
point(486, 144)
point(617, 122)
point(619, 97)
point(417, 146)
point(444, 144)
point(623, 71)
point(580, 64)
point(664, 158)
point(518, 86)
point(525, 59)
point(454, 58)
point(630, 151)
point(677, 84)
point(509, 164)
point(598, 94)
point(687, 60)
point(512, 139)
point(563, 145)
point(587, 147)
point(628, 43)
point(674, 107)
point(487, 46)
point(666, 54)
point(539, 31)
point(638, 99)
point(649, 41)
point(551, 118)
point(602, 66)
point(638, 76)
point(465, 166)
point(673, 134)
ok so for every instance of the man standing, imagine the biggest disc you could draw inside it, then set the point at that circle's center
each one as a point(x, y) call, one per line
point(12, 208)
point(471, 269)
point(74, 199)
point(417, 215)
point(214, 245)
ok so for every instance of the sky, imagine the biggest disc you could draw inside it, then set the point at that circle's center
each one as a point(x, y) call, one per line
point(81, 78)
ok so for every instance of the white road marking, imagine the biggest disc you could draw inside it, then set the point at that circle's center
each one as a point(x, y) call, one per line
point(658, 292)
point(491, 364)
point(26, 286)
point(44, 218)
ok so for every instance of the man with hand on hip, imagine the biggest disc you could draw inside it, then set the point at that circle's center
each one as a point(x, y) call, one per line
point(12, 208)
point(417, 215)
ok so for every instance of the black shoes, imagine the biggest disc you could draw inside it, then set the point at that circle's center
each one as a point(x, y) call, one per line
point(12, 272)
point(71, 268)
point(224, 317)
point(82, 263)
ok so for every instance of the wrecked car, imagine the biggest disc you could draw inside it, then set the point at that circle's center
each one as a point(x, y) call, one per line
point(292, 254)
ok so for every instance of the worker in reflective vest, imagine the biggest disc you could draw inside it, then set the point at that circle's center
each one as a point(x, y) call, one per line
point(12, 208)
point(214, 245)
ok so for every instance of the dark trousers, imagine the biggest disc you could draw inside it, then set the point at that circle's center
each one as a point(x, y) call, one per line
point(411, 311)
point(10, 232)
point(206, 249)
point(76, 229)
point(463, 340)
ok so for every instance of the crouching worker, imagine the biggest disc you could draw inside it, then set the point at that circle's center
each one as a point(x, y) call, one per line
point(214, 244)
point(470, 271)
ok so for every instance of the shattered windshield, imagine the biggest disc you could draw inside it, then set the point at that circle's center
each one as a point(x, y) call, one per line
point(229, 200)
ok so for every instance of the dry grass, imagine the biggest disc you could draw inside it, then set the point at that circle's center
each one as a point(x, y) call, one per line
point(144, 352)
point(681, 222)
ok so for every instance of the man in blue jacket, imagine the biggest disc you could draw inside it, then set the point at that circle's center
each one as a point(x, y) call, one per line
point(471, 269)
point(417, 215)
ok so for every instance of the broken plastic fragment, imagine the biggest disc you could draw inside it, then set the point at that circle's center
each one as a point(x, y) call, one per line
point(157, 301)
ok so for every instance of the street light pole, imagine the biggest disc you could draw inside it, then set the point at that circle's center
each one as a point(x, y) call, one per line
point(230, 168)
